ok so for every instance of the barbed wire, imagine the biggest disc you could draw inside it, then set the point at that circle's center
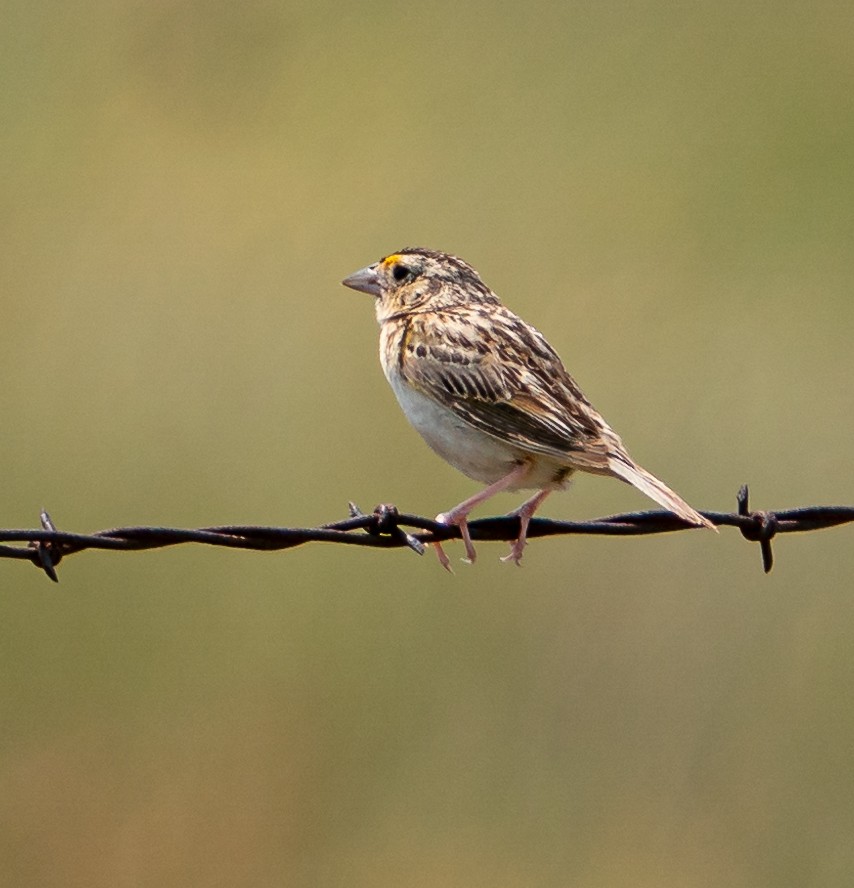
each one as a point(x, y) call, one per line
point(384, 528)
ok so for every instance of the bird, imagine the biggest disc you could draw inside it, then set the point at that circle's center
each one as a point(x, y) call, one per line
point(487, 392)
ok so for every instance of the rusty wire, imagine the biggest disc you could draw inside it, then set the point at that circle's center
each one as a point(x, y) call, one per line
point(385, 528)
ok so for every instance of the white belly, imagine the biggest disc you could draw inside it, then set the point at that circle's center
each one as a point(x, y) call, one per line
point(472, 452)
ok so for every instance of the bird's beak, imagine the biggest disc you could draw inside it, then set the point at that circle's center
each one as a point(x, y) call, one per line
point(365, 279)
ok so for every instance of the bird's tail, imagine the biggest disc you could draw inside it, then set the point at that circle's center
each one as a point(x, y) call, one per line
point(625, 468)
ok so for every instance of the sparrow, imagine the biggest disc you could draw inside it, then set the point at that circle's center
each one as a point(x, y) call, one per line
point(488, 393)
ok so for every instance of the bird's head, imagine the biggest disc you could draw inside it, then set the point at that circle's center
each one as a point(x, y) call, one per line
point(414, 279)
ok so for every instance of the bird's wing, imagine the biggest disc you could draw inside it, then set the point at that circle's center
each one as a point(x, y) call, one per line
point(501, 376)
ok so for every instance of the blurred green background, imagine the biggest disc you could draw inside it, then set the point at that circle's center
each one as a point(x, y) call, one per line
point(666, 190)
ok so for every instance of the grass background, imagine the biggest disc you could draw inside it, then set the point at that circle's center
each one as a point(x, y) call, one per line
point(666, 190)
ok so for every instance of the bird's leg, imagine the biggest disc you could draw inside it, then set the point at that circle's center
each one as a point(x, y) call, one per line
point(525, 513)
point(458, 516)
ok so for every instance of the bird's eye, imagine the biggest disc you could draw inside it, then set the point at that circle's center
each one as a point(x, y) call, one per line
point(400, 272)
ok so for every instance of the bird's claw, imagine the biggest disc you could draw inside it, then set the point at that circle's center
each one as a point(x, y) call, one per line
point(443, 558)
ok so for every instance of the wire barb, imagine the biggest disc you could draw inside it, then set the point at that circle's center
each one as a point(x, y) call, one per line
point(385, 520)
point(385, 528)
point(48, 556)
point(762, 529)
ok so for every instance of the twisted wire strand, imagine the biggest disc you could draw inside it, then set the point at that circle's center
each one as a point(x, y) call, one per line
point(386, 528)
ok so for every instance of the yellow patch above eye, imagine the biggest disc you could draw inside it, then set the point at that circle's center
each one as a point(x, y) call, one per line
point(390, 260)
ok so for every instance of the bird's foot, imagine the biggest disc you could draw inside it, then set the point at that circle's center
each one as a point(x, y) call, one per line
point(454, 519)
point(515, 554)
point(524, 513)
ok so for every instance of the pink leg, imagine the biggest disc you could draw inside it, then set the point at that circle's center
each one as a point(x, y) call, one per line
point(525, 513)
point(459, 514)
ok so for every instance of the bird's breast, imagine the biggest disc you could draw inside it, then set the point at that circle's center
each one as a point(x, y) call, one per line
point(472, 452)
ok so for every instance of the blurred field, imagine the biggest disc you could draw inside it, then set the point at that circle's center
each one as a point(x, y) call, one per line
point(667, 192)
